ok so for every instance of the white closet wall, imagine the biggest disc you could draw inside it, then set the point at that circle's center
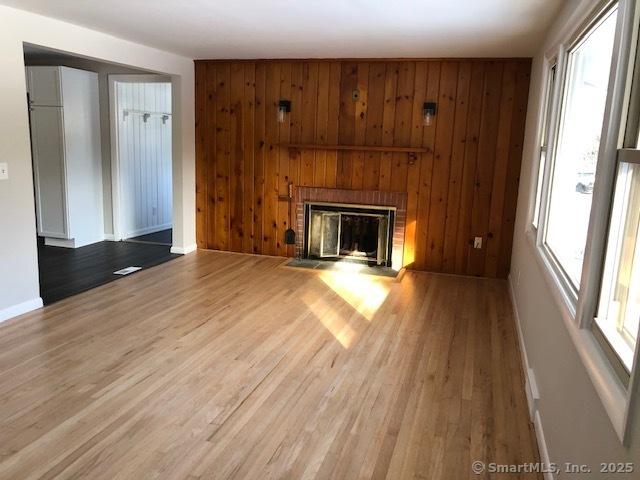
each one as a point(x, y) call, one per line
point(144, 157)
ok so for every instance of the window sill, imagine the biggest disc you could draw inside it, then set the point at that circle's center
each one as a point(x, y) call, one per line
point(612, 393)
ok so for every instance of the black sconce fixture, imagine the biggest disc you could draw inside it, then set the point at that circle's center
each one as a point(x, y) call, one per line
point(284, 106)
point(428, 112)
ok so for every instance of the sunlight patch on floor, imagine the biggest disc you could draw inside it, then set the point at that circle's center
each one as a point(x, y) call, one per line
point(331, 319)
point(365, 293)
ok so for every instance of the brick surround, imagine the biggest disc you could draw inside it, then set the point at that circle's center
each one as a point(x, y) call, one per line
point(357, 197)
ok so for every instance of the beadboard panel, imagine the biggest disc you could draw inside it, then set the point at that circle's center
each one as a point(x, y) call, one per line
point(144, 153)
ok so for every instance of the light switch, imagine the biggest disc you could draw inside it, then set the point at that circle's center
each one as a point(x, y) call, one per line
point(4, 171)
point(477, 242)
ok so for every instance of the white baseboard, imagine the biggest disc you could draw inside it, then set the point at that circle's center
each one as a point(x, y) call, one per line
point(20, 308)
point(531, 386)
point(542, 445)
point(146, 230)
point(184, 250)
point(68, 243)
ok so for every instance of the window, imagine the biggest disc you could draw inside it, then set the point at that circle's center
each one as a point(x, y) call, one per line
point(619, 307)
point(578, 142)
point(544, 138)
point(587, 229)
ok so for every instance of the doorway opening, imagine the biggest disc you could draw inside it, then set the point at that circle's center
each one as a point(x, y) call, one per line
point(141, 129)
point(81, 218)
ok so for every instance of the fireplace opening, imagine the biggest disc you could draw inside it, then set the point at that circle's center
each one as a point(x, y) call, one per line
point(351, 232)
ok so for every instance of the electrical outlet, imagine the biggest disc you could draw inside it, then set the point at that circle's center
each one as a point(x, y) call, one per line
point(477, 242)
point(4, 171)
point(154, 211)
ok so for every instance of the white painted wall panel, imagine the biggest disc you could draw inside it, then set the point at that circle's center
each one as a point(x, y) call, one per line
point(83, 155)
point(144, 157)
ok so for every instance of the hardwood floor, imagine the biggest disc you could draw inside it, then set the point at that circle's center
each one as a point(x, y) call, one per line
point(220, 365)
point(68, 271)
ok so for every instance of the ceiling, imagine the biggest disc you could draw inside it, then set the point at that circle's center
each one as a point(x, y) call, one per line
point(315, 28)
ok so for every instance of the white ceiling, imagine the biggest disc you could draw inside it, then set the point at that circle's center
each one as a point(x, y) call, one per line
point(315, 28)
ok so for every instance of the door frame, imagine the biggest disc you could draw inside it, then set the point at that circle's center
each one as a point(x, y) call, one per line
point(113, 128)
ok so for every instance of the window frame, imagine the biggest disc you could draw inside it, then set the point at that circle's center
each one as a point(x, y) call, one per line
point(579, 305)
point(550, 82)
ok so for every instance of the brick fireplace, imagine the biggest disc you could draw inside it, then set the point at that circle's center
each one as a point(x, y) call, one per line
point(397, 200)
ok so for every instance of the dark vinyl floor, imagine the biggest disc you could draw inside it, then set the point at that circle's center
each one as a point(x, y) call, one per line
point(164, 237)
point(69, 271)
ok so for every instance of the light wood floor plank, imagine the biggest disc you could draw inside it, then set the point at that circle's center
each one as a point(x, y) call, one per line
point(219, 365)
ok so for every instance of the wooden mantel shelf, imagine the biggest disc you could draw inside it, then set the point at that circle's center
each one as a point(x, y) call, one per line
point(358, 148)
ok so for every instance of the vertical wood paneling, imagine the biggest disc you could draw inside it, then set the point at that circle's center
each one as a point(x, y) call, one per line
point(486, 159)
point(202, 156)
point(322, 123)
point(260, 142)
point(500, 168)
point(223, 74)
point(463, 237)
point(309, 104)
point(331, 170)
point(210, 148)
point(402, 124)
point(464, 186)
point(347, 124)
point(283, 162)
point(441, 164)
point(236, 159)
point(426, 171)
point(272, 129)
point(413, 169)
point(456, 170)
point(360, 127)
point(388, 123)
point(248, 128)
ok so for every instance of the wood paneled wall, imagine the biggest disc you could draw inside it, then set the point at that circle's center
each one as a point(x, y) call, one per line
point(465, 186)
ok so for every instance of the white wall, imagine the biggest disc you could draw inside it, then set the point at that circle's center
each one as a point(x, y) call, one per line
point(144, 157)
point(18, 261)
point(576, 426)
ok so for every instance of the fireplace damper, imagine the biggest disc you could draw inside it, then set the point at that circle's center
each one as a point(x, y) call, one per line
point(345, 231)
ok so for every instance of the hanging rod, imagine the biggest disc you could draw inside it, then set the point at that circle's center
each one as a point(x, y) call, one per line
point(146, 115)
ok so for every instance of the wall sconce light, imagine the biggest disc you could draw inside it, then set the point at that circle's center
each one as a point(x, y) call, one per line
point(428, 112)
point(284, 106)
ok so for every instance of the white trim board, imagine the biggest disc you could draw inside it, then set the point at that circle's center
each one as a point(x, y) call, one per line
point(20, 308)
point(542, 446)
point(531, 387)
point(184, 250)
point(145, 231)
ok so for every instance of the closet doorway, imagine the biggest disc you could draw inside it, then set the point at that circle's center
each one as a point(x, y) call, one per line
point(141, 122)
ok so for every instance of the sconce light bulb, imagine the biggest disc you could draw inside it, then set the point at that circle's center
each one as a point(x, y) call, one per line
point(281, 115)
point(427, 119)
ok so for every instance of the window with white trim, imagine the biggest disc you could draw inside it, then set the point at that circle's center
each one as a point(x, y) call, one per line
point(573, 167)
point(617, 320)
point(586, 215)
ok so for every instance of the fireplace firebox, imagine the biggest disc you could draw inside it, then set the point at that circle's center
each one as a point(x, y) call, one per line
point(360, 233)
